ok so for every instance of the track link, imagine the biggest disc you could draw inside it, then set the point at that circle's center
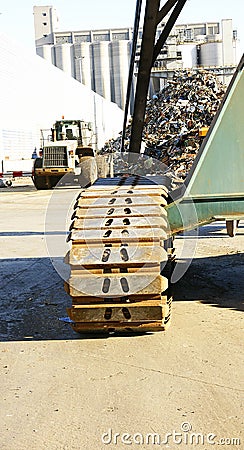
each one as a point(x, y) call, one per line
point(118, 231)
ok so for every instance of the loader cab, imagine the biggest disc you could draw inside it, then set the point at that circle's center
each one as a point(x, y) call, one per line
point(66, 130)
point(72, 130)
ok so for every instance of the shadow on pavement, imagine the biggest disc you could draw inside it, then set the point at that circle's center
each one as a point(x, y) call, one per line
point(215, 280)
point(32, 301)
point(215, 230)
point(19, 188)
point(33, 297)
point(32, 233)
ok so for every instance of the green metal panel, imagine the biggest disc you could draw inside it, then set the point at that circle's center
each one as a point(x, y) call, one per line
point(186, 214)
point(220, 169)
point(215, 185)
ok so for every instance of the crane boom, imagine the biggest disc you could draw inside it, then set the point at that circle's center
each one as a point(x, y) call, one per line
point(149, 52)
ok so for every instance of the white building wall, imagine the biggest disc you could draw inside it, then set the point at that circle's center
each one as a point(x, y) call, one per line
point(34, 94)
point(46, 22)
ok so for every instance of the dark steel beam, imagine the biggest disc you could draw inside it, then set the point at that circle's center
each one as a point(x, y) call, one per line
point(144, 70)
point(148, 55)
point(166, 9)
point(131, 69)
point(167, 29)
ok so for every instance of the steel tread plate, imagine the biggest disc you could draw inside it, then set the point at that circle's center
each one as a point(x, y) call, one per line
point(129, 187)
point(124, 235)
point(89, 193)
point(120, 222)
point(118, 232)
point(116, 256)
point(122, 312)
point(134, 327)
point(113, 211)
point(117, 285)
point(97, 300)
point(122, 202)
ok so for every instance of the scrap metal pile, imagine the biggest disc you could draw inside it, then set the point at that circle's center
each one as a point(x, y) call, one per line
point(173, 119)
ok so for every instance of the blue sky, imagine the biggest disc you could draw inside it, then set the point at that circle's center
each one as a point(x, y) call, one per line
point(16, 17)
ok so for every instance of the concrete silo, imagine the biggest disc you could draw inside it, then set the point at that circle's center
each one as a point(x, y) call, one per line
point(211, 54)
point(64, 58)
point(47, 52)
point(83, 63)
point(101, 61)
point(120, 67)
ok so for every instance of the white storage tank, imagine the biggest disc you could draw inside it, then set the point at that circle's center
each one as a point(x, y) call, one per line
point(101, 60)
point(83, 63)
point(189, 55)
point(64, 57)
point(211, 54)
point(120, 68)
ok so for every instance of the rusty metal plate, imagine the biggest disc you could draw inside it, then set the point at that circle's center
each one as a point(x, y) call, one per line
point(117, 285)
point(89, 193)
point(107, 327)
point(116, 257)
point(128, 187)
point(124, 312)
point(123, 236)
point(121, 201)
point(97, 300)
point(133, 256)
point(120, 222)
point(128, 211)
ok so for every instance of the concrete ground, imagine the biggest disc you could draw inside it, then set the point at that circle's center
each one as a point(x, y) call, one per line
point(182, 388)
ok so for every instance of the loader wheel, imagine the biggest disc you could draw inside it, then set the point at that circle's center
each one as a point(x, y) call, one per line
point(53, 181)
point(39, 181)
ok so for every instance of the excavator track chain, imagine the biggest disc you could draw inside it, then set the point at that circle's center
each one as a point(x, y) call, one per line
point(117, 257)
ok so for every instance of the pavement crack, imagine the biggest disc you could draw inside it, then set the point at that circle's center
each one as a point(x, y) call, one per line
point(13, 277)
point(184, 377)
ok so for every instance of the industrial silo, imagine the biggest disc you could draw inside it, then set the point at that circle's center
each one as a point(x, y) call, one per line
point(83, 63)
point(188, 54)
point(64, 58)
point(101, 62)
point(120, 59)
point(46, 52)
point(211, 54)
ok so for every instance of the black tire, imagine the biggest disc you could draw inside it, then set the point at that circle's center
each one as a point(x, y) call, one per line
point(39, 180)
point(38, 163)
point(53, 181)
